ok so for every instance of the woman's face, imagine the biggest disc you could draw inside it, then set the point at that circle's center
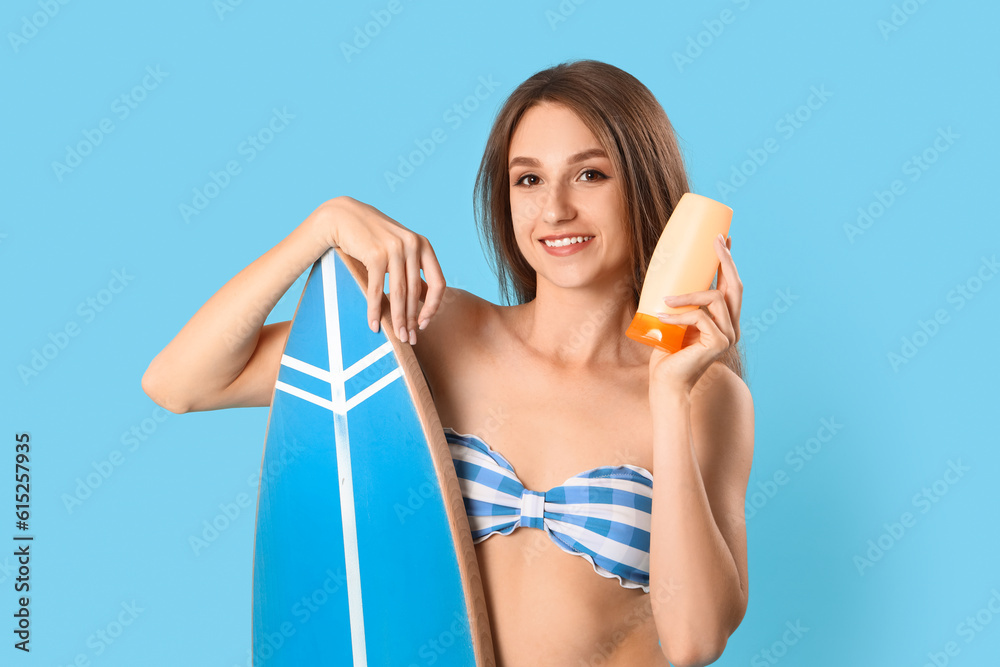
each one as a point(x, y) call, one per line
point(562, 184)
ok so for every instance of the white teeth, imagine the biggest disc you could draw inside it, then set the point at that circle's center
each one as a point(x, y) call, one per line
point(567, 241)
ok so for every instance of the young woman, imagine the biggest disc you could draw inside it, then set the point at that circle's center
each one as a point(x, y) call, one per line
point(548, 387)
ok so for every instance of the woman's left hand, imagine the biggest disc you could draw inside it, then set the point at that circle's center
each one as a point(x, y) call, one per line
point(711, 329)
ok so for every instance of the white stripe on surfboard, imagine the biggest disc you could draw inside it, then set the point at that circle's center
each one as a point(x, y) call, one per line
point(367, 360)
point(373, 387)
point(342, 407)
point(305, 395)
point(327, 376)
point(352, 564)
point(303, 367)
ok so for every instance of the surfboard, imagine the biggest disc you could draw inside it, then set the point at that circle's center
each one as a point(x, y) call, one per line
point(363, 553)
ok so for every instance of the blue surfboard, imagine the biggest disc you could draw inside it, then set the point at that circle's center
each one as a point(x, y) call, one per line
point(363, 553)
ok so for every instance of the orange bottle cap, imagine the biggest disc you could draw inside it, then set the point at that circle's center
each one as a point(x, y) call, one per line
point(649, 330)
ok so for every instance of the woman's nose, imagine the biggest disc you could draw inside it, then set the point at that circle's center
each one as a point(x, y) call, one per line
point(557, 204)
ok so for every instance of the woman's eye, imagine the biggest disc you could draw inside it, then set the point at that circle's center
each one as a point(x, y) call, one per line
point(587, 175)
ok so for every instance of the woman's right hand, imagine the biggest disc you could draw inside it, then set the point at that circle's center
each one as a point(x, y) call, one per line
point(385, 246)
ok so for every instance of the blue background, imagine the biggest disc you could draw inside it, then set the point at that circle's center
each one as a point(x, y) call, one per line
point(822, 313)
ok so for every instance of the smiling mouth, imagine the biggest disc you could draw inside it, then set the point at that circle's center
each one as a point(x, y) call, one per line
point(572, 240)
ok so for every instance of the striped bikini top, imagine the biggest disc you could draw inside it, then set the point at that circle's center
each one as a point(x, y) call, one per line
point(602, 514)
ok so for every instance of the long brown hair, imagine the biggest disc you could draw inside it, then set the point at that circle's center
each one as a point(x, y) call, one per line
point(634, 131)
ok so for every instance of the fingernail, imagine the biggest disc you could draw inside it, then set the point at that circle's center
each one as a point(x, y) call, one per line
point(374, 325)
point(413, 337)
point(669, 299)
point(722, 238)
point(423, 324)
point(402, 334)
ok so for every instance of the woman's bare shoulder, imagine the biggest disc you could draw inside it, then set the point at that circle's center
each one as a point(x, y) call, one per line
point(460, 321)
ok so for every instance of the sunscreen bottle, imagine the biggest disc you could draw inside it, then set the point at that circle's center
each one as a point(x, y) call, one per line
point(684, 261)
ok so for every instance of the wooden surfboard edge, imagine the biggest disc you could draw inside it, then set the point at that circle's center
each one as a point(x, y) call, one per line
point(472, 584)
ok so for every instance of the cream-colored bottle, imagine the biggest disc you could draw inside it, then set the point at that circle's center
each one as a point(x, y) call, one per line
point(683, 261)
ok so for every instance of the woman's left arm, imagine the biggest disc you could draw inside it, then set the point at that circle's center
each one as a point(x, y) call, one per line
point(703, 425)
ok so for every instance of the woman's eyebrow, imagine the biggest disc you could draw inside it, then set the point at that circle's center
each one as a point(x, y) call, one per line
point(573, 159)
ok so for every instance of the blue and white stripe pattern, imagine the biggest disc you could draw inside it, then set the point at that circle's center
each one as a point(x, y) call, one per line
point(603, 515)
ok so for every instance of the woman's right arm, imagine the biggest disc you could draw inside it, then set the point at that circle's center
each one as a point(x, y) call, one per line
point(226, 357)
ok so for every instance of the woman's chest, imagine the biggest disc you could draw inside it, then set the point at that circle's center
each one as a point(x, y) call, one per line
point(549, 425)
